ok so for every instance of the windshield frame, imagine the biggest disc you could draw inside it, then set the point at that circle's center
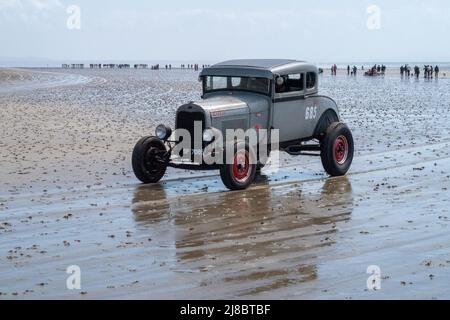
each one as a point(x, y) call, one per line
point(229, 88)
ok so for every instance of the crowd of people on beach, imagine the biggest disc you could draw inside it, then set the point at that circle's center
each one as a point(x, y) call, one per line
point(352, 71)
point(195, 67)
point(428, 70)
point(190, 66)
point(376, 70)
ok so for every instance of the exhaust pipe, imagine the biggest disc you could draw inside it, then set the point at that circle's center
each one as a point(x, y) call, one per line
point(303, 150)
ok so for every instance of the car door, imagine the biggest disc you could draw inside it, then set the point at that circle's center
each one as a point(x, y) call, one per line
point(289, 106)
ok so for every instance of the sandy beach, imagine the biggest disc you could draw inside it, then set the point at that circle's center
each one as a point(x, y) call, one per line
point(68, 196)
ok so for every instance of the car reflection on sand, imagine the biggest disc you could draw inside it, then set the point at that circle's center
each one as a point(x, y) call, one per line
point(259, 240)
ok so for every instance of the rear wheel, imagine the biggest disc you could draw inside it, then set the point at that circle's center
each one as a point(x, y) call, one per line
point(337, 149)
point(149, 164)
point(241, 173)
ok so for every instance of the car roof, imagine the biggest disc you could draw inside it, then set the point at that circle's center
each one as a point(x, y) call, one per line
point(267, 64)
point(258, 67)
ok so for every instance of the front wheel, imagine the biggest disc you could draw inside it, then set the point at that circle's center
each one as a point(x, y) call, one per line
point(241, 173)
point(337, 150)
point(149, 160)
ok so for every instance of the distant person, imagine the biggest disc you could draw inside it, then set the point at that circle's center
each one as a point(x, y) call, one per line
point(436, 72)
point(417, 72)
point(402, 70)
point(355, 70)
point(408, 71)
point(427, 72)
point(430, 72)
point(348, 70)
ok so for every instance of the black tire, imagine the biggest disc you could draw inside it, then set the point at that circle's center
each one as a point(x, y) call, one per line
point(337, 149)
point(239, 176)
point(146, 160)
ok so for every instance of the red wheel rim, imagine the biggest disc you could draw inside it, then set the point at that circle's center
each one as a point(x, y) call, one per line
point(340, 150)
point(241, 166)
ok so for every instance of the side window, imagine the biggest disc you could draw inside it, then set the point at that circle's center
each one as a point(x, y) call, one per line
point(310, 80)
point(290, 83)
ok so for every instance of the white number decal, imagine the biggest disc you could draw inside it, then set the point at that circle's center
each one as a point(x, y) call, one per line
point(311, 113)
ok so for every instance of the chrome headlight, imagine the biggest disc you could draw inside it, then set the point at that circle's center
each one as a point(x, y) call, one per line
point(208, 135)
point(163, 132)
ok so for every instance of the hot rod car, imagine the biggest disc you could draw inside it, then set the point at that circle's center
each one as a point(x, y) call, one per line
point(256, 94)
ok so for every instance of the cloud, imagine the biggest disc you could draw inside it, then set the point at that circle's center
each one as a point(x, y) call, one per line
point(45, 4)
point(5, 4)
point(29, 4)
point(27, 10)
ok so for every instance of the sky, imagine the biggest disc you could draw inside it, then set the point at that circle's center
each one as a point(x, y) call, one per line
point(180, 30)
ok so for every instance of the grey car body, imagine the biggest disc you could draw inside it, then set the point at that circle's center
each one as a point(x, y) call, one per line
point(270, 96)
point(297, 115)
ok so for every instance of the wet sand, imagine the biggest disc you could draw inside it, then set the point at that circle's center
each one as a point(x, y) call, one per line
point(68, 197)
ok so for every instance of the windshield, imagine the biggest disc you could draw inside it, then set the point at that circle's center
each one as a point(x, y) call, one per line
point(219, 83)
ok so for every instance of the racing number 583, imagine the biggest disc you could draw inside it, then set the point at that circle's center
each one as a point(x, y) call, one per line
point(311, 113)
